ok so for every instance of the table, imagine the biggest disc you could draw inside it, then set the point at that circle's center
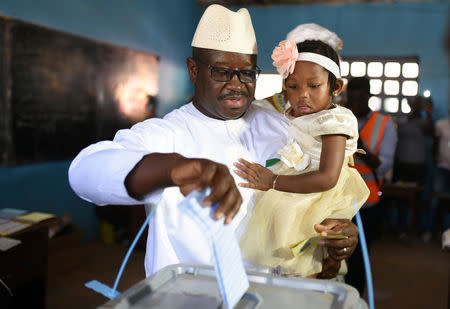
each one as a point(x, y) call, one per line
point(23, 268)
point(407, 191)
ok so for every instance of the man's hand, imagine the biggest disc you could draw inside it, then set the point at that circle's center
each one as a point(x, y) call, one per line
point(162, 170)
point(197, 174)
point(338, 249)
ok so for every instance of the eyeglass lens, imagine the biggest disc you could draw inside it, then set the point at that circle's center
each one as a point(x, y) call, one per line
point(225, 74)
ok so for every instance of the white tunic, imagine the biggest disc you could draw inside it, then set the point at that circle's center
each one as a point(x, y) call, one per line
point(97, 174)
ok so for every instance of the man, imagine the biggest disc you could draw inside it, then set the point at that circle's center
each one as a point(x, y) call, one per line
point(410, 164)
point(158, 161)
point(411, 151)
point(378, 138)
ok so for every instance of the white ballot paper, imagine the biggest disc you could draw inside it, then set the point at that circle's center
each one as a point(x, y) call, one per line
point(230, 272)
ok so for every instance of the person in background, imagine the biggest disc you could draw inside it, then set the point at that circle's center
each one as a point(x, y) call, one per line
point(410, 154)
point(159, 161)
point(441, 181)
point(410, 157)
point(152, 105)
point(378, 138)
point(442, 131)
point(441, 177)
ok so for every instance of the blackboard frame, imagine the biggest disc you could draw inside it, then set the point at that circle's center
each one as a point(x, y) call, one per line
point(60, 92)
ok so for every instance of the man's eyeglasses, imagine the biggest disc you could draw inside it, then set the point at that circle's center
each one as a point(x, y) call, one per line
point(226, 74)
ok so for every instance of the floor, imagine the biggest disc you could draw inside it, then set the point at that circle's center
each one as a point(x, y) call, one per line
point(408, 274)
point(92, 261)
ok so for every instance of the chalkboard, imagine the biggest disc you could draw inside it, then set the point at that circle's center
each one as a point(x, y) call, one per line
point(62, 92)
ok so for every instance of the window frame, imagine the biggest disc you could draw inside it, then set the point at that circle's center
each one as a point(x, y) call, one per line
point(385, 59)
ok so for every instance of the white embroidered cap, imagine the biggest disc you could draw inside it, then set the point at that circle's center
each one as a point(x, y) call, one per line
point(316, 32)
point(225, 30)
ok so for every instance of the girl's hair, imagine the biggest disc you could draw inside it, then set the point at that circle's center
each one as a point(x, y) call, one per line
point(323, 49)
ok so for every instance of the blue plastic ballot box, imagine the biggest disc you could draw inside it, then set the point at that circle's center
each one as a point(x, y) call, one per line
point(187, 286)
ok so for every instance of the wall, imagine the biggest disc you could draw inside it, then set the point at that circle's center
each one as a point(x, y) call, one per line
point(161, 27)
point(373, 29)
point(44, 187)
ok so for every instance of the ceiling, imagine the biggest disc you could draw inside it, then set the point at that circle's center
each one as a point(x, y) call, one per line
point(205, 3)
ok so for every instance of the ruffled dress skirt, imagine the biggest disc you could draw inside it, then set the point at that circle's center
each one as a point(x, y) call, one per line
point(281, 219)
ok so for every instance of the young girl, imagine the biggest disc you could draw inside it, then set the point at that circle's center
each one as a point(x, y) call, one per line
point(314, 163)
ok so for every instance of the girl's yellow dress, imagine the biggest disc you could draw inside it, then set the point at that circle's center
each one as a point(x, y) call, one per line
point(281, 219)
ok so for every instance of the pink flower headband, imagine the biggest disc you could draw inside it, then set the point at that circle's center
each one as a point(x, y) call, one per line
point(286, 54)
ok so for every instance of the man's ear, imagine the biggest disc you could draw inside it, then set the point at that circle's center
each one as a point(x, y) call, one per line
point(192, 69)
point(339, 86)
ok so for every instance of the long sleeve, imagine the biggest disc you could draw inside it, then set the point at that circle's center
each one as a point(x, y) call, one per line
point(98, 172)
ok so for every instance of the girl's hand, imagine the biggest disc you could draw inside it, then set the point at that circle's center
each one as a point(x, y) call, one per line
point(258, 177)
point(330, 268)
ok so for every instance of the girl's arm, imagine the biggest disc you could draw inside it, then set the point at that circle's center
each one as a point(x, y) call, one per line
point(331, 160)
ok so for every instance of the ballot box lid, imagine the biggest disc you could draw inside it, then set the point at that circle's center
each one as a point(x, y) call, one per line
point(188, 286)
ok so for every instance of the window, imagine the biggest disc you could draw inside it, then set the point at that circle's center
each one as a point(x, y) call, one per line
point(375, 103)
point(376, 86)
point(267, 85)
point(375, 69)
point(358, 68)
point(393, 80)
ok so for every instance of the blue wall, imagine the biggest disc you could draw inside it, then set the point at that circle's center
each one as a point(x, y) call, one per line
point(161, 27)
point(376, 29)
point(44, 187)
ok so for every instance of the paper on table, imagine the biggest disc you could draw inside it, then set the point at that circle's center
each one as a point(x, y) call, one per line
point(12, 212)
point(7, 243)
point(230, 272)
point(11, 227)
point(35, 216)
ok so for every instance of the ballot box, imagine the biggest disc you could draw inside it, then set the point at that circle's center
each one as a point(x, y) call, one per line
point(187, 286)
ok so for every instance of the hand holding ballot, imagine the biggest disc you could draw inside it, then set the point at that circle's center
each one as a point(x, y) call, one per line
point(302, 246)
point(197, 174)
point(338, 249)
point(158, 170)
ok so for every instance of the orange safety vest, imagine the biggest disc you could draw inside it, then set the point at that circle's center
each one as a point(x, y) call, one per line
point(371, 135)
